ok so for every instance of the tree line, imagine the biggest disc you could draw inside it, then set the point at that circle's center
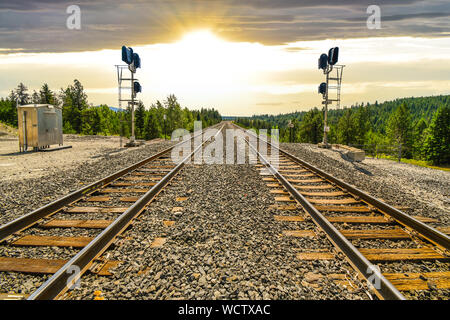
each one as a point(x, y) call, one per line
point(81, 117)
point(419, 128)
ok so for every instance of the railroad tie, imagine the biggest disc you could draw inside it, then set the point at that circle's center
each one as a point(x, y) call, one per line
point(89, 224)
point(289, 218)
point(318, 255)
point(419, 281)
point(393, 234)
point(403, 254)
point(300, 233)
point(53, 241)
point(96, 210)
point(47, 266)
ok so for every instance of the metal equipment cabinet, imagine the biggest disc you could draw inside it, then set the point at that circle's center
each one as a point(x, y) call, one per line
point(40, 125)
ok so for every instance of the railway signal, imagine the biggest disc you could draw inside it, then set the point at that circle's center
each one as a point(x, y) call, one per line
point(137, 87)
point(323, 88)
point(327, 63)
point(333, 56)
point(127, 55)
point(133, 62)
point(323, 61)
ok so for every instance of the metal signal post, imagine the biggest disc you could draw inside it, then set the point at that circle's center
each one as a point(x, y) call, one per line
point(328, 64)
point(133, 62)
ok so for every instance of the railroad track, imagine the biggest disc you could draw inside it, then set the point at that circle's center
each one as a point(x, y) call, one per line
point(98, 213)
point(359, 226)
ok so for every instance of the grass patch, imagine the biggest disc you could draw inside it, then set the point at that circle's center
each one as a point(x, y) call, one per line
point(419, 163)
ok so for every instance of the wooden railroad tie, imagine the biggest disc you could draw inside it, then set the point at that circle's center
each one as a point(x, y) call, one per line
point(98, 199)
point(378, 255)
point(89, 224)
point(46, 266)
point(129, 199)
point(319, 255)
point(393, 234)
point(119, 190)
point(131, 184)
point(305, 180)
point(300, 233)
point(289, 218)
point(96, 210)
point(53, 241)
point(419, 281)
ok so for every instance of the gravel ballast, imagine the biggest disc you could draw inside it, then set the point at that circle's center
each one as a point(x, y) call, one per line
point(22, 195)
point(424, 191)
point(225, 242)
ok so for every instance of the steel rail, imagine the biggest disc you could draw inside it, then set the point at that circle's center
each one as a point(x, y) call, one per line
point(33, 217)
point(62, 280)
point(433, 235)
point(384, 288)
point(430, 233)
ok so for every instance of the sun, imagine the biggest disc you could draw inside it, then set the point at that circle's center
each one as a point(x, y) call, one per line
point(200, 40)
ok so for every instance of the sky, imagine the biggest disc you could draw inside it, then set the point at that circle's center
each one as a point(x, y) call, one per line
point(240, 57)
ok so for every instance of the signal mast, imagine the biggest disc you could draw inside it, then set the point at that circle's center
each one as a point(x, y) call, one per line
point(133, 62)
point(328, 64)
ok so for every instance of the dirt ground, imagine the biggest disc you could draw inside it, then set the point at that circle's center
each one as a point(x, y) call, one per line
point(16, 166)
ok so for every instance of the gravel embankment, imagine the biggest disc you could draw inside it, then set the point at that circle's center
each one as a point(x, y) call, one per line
point(24, 195)
point(425, 191)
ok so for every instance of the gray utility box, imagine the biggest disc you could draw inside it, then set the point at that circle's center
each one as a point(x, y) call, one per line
point(39, 125)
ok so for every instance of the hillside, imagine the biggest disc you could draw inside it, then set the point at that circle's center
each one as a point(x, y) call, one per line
point(413, 128)
point(420, 107)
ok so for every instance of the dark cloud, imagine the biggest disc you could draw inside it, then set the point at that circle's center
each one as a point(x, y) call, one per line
point(413, 16)
point(40, 26)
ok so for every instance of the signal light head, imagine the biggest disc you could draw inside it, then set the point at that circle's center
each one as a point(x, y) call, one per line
point(137, 87)
point(323, 61)
point(136, 60)
point(323, 88)
point(127, 55)
point(333, 56)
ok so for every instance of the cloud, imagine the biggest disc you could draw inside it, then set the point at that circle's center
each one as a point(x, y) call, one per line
point(40, 26)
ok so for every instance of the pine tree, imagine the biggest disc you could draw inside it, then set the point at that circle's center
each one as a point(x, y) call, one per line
point(361, 125)
point(139, 120)
point(311, 127)
point(21, 94)
point(419, 136)
point(152, 128)
point(74, 101)
point(346, 128)
point(35, 98)
point(437, 142)
point(399, 129)
point(46, 95)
